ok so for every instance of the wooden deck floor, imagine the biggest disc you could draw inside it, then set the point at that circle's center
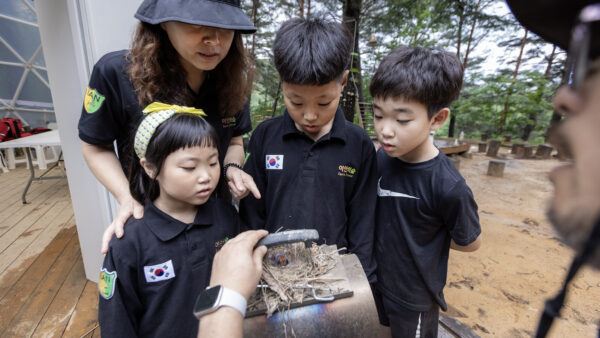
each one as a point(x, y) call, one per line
point(43, 288)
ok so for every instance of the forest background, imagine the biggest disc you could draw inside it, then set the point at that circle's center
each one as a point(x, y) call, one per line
point(510, 73)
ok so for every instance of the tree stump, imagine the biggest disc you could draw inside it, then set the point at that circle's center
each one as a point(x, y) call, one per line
point(507, 138)
point(527, 151)
point(484, 136)
point(482, 147)
point(496, 168)
point(543, 151)
point(456, 162)
point(493, 148)
point(517, 148)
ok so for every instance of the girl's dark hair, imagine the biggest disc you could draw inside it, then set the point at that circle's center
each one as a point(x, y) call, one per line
point(157, 75)
point(179, 131)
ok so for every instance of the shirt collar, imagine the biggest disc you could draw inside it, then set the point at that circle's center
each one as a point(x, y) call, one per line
point(338, 129)
point(166, 227)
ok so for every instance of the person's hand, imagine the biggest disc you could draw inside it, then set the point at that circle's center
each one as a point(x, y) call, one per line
point(238, 265)
point(241, 184)
point(126, 209)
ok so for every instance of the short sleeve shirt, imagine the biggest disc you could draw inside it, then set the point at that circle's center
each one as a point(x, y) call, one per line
point(151, 277)
point(420, 208)
point(111, 110)
point(327, 185)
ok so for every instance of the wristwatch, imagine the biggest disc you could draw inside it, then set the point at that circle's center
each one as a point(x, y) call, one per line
point(213, 297)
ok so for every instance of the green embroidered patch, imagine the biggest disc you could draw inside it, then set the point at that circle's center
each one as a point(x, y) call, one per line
point(106, 284)
point(93, 100)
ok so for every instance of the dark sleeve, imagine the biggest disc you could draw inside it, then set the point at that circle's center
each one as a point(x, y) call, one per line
point(252, 210)
point(99, 123)
point(119, 308)
point(243, 124)
point(459, 213)
point(361, 213)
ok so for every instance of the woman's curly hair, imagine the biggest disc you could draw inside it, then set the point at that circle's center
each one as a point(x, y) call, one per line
point(157, 75)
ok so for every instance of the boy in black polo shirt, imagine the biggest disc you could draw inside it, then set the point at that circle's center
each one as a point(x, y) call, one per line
point(313, 168)
point(424, 206)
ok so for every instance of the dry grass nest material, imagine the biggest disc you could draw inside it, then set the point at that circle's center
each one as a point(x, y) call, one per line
point(287, 282)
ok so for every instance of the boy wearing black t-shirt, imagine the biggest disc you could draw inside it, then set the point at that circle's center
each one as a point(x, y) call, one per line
point(424, 206)
point(314, 169)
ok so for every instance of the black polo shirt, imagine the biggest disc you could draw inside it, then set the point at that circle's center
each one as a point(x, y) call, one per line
point(111, 110)
point(161, 265)
point(420, 208)
point(328, 185)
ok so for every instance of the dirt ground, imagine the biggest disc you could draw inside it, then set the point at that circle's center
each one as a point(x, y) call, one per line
point(500, 289)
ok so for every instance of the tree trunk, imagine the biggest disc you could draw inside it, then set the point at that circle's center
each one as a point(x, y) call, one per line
point(510, 88)
point(255, 4)
point(276, 99)
point(461, 18)
point(533, 115)
point(353, 89)
point(308, 10)
point(301, 5)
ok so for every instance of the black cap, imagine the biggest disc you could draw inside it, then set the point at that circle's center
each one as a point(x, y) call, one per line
point(553, 20)
point(212, 13)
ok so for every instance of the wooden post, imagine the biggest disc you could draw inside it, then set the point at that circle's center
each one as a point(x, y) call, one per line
point(543, 151)
point(528, 151)
point(517, 148)
point(496, 168)
point(482, 147)
point(456, 162)
point(493, 148)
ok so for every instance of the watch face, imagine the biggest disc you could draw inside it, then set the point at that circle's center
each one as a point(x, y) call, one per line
point(207, 300)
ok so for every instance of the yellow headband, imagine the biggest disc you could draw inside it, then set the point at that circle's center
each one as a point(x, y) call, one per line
point(157, 113)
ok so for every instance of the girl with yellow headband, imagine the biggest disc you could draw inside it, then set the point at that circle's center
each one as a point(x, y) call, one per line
point(185, 52)
point(150, 277)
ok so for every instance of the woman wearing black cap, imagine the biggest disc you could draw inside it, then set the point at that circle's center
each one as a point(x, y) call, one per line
point(185, 52)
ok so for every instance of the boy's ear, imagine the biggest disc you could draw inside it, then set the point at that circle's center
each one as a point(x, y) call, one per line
point(148, 168)
point(345, 78)
point(439, 118)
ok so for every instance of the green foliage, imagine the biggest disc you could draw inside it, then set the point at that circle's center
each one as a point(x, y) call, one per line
point(482, 103)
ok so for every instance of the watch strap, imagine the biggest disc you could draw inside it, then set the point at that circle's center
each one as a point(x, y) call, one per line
point(233, 299)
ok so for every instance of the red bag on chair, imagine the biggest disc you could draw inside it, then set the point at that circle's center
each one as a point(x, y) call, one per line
point(13, 127)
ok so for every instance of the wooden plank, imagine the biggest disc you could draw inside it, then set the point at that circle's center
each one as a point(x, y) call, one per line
point(36, 187)
point(13, 272)
point(27, 318)
point(53, 218)
point(16, 212)
point(457, 328)
point(56, 318)
point(14, 297)
point(85, 317)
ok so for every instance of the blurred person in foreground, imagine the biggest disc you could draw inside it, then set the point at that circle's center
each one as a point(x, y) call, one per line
point(575, 207)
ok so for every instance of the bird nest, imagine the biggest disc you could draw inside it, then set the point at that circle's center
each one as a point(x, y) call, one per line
point(293, 274)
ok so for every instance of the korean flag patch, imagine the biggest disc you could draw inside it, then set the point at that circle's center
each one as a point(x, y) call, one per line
point(274, 162)
point(159, 272)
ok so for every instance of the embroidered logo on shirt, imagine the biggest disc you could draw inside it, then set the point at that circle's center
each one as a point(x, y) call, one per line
point(93, 100)
point(346, 171)
point(159, 272)
point(388, 193)
point(106, 283)
point(274, 162)
point(219, 244)
point(228, 122)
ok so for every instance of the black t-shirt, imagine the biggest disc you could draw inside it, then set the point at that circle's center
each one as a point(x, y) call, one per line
point(151, 277)
point(111, 110)
point(420, 208)
point(328, 185)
